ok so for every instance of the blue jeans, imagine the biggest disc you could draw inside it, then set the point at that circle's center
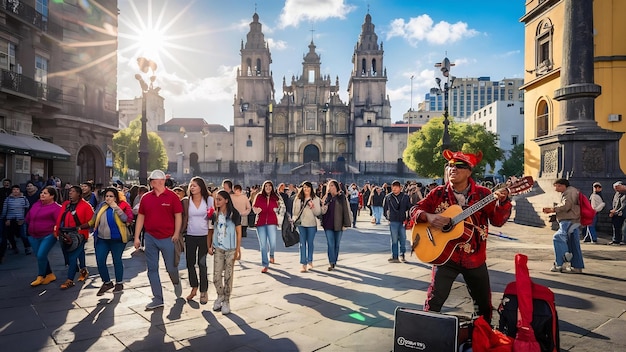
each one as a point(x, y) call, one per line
point(567, 242)
point(333, 239)
point(591, 229)
point(398, 234)
point(154, 246)
point(378, 213)
point(354, 208)
point(41, 248)
point(267, 236)
point(307, 237)
point(73, 258)
point(116, 247)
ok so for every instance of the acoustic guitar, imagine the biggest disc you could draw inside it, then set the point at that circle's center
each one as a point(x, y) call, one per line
point(435, 246)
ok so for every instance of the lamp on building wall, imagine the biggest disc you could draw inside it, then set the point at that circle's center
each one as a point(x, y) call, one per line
point(447, 85)
point(145, 65)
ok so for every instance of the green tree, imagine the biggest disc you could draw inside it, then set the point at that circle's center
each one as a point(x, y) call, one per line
point(126, 149)
point(423, 154)
point(514, 164)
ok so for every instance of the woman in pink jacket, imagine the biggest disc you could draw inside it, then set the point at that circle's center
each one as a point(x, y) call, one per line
point(41, 220)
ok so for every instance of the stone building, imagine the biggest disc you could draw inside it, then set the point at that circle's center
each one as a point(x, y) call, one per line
point(58, 89)
point(311, 122)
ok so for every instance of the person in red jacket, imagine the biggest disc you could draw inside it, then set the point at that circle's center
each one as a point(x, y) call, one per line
point(267, 206)
point(75, 214)
point(467, 259)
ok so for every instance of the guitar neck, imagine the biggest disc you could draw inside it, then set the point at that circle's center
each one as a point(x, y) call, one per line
point(473, 208)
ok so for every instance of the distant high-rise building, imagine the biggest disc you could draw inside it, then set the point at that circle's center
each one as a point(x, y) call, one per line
point(130, 110)
point(470, 94)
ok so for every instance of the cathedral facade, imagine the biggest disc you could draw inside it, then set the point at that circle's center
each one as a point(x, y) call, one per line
point(310, 123)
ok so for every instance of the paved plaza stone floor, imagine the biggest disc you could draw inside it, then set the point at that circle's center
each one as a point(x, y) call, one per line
point(349, 309)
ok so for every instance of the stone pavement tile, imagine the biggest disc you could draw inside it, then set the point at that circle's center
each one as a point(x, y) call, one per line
point(19, 319)
point(152, 338)
point(575, 323)
point(58, 318)
point(608, 337)
point(28, 341)
point(362, 340)
point(291, 340)
point(102, 344)
point(185, 329)
point(331, 330)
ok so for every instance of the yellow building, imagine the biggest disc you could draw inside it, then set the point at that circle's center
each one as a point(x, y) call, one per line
point(543, 57)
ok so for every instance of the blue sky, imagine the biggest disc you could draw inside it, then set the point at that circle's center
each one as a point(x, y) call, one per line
point(196, 45)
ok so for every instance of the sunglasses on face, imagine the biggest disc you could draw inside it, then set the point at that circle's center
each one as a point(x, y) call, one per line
point(458, 165)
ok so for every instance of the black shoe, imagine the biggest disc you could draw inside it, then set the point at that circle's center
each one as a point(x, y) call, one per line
point(105, 287)
point(118, 288)
point(613, 243)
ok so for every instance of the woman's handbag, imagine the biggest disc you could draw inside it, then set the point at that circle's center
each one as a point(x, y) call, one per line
point(290, 233)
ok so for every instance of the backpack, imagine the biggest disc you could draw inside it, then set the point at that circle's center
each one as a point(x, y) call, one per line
point(587, 213)
point(545, 321)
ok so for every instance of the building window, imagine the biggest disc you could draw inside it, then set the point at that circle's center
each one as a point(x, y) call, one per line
point(249, 141)
point(41, 75)
point(258, 67)
point(543, 116)
point(368, 142)
point(514, 140)
point(310, 121)
point(543, 47)
point(311, 76)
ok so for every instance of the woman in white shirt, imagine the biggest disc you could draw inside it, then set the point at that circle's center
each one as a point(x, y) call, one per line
point(197, 210)
point(306, 209)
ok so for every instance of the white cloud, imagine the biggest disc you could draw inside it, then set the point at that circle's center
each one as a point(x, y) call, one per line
point(277, 45)
point(296, 11)
point(423, 28)
point(221, 87)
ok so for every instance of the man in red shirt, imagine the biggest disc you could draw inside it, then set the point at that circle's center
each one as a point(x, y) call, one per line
point(467, 259)
point(160, 215)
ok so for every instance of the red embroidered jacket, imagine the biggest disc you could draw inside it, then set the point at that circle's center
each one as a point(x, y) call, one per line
point(472, 254)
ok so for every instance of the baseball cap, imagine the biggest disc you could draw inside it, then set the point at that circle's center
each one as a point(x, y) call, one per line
point(396, 183)
point(597, 184)
point(618, 183)
point(157, 175)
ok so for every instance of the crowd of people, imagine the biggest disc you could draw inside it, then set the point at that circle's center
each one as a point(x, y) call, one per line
point(164, 219)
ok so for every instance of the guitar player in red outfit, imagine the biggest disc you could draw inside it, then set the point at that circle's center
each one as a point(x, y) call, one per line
point(467, 259)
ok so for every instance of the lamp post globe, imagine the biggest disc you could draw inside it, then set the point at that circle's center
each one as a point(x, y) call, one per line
point(445, 66)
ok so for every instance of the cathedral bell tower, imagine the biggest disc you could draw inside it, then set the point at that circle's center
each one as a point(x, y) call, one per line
point(255, 96)
point(370, 108)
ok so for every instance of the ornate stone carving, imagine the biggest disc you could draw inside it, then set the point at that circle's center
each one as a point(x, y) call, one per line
point(550, 161)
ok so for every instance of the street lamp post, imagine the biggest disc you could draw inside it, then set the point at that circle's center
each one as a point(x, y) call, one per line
point(447, 85)
point(408, 123)
point(145, 65)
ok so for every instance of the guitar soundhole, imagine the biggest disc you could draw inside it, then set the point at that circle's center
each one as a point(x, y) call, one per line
point(447, 228)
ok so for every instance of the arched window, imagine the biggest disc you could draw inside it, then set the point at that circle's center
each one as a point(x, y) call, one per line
point(374, 67)
point(363, 66)
point(543, 47)
point(368, 142)
point(543, 118)
point(249, 141)
point(248, 68)
point(258, 67)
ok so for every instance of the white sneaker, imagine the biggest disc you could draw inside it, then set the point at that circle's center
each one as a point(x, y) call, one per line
point(556, 269)
point(217, 305)
point(225, 307)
